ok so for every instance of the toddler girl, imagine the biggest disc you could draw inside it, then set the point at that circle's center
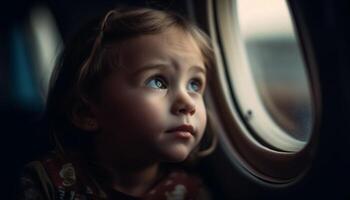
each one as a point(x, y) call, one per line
point(125, 105)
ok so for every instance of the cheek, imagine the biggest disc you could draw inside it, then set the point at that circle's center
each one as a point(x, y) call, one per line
point(201, 118)
point(149, 115)
point(133, 114)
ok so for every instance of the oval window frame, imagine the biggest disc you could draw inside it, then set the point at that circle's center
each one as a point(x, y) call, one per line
point(262, 163)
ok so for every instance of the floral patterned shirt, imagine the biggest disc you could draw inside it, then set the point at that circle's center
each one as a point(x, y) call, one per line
point(56, 178)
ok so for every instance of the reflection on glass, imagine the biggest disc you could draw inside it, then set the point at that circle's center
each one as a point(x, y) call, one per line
point(277, 64)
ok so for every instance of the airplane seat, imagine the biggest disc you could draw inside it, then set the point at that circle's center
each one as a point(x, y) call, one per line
point(21, 106)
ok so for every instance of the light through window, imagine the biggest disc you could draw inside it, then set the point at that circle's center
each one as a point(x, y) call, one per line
point(277, 69)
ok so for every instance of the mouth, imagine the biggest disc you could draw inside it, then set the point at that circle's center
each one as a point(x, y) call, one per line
point(184, 130)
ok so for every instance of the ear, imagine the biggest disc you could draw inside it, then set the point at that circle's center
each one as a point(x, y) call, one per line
point(84, 118)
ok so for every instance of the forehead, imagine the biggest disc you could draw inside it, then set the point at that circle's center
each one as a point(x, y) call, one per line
point(172, 45)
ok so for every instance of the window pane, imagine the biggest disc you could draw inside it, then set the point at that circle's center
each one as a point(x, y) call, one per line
point(276, 62)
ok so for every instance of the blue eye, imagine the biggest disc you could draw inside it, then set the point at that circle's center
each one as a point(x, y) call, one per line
point(156, 83)
point(194, 86)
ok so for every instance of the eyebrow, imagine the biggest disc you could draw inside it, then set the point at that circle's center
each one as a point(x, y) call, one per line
point(162, 66)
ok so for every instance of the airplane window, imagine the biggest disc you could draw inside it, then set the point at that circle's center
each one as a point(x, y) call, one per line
point(268, 78)
point(278, 74)
point(268, 88)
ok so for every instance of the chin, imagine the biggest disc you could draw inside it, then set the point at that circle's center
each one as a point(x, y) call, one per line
point(176, 155)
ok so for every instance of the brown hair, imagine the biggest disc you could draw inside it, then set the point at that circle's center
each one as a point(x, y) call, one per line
point(92, 53)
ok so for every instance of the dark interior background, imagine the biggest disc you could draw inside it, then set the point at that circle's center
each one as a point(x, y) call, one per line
point(328, 24)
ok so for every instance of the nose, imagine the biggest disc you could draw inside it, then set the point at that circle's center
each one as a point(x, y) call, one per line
point(183, 104)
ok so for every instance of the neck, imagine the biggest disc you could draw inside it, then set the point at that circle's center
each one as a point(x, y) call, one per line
point(135, 182)
point(129, 174)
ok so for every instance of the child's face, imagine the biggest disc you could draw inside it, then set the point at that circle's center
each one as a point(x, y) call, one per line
point(159, 87)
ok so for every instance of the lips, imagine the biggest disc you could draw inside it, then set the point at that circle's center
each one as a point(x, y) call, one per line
point(182, 128)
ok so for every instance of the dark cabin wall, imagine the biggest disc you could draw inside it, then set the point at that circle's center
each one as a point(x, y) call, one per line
point(326, 23)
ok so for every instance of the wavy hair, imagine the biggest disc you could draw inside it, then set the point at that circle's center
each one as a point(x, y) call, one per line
point(93, 53)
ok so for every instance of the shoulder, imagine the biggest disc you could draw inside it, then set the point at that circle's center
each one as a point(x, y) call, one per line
point(34, 182)
point(57, 175)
